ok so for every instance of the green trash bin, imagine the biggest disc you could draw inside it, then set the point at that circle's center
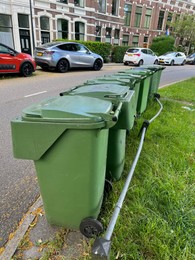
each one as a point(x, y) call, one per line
point(156, 76)
point(133, 83)
point(117, 134)
point(67, 139)
point(145, 77)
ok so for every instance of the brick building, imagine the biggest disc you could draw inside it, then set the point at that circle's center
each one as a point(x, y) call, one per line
point(25, 24)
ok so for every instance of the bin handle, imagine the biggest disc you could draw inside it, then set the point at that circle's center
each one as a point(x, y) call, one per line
point(117, 111)
point(115, 95)
point(67, 91)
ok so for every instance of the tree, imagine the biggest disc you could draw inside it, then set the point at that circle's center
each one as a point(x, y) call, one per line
point(162, 44)
point(184, 29)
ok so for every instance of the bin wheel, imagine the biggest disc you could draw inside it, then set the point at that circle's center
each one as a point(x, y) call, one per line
point(156, 95)
point(91, 227)
point(108, 187)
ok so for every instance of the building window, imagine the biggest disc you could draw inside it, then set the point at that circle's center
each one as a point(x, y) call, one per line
point(79, 3)
point(125, 41)
point(62, 26)
point(108, 34)
point(6, 35)
point(160, 20)
point(168, 27)
point(127, 10)
point(147, 18)
point(116, 36)
point(135, 40)
point(146, 39)
point(98, 33)
point(23, 21)
point(138, 15)
point(102, 6)
point(45, 33)
point(79, 31)
point(115, 7)
point(63, 1)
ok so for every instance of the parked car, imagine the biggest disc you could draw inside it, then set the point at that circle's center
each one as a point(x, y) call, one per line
point(139, 56)
point(12, 61)
point(62, 56)
point(190, 59)
point(172, 58)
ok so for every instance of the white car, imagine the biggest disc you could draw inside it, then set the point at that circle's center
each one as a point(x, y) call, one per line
point(172, 58)
point(139, 56)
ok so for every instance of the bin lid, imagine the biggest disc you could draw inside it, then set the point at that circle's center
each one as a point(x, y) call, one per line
point(113, 79)
point(104, 90)
point(70, 109)
point(146, 72)
point(154, 67)
point(130, 75)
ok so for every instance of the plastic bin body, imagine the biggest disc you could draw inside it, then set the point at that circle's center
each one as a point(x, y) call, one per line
point(117, 135)
point(155, 82)
point(67, 138)
point(145, 77)
point(116, 154)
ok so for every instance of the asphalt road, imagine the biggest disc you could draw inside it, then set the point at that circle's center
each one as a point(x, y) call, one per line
point(18, 184)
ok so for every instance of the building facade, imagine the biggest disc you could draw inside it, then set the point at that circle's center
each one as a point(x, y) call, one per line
point(25, 24)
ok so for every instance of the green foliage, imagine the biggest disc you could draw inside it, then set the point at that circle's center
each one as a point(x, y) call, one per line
point(162, 44)
point(118, 53)
point(101, 48)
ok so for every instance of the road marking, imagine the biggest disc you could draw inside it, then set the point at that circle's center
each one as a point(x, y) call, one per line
point(34, 94)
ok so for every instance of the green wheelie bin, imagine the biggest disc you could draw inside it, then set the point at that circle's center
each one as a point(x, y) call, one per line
point(156, 76)
point(67, 138)
point(133, 83)
point(117, 134)
point(145, 76)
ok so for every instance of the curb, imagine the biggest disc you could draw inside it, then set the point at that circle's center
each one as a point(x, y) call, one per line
point(12, 245)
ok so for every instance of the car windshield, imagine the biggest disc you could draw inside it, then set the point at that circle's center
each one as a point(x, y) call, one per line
point(170, 54)
point(49, 44)
point(132, 50)
point(192, 55)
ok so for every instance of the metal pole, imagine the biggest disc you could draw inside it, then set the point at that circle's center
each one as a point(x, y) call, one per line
point(32, 26)
point(101, 247)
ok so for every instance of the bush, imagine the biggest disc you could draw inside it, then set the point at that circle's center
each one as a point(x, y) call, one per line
point(118, 53)
point(162, 44)
point(101, 48)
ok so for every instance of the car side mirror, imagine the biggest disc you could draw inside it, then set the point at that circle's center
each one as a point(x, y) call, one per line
point(12, 53)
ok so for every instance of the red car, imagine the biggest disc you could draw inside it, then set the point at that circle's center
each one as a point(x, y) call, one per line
point(12, 61)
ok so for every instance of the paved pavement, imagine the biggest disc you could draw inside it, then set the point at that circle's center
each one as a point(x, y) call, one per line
point(36, 238)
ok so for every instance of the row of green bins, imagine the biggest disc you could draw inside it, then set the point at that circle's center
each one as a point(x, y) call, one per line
point(146, 77)
point(67, 138)
point(133, 83)
point(156, 76)
point(117, 135)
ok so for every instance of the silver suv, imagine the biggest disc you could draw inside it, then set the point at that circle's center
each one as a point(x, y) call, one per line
point(62, 56)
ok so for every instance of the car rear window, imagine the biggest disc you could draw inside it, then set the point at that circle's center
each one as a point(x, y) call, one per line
point(132, 50)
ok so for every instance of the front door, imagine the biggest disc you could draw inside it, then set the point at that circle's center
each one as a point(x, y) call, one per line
point(25, 41)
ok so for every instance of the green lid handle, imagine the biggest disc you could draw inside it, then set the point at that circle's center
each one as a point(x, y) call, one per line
point(68, 91)
point(117, 111)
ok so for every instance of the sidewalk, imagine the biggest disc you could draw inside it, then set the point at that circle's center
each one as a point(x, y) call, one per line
point(36, 239)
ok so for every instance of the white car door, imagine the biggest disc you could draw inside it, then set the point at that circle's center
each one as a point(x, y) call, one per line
point(178, 58)
point(145, 57)
point(151, 56)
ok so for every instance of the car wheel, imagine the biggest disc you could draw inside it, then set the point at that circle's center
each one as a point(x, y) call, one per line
point(125, 63)
point(172, 63)
point(62, 66)
point(141, 62)
point(97, 64)
point(26, 69)
point(156, 62)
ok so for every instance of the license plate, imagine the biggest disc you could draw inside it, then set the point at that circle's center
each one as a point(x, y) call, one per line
point(39, 54)
point(129, 54)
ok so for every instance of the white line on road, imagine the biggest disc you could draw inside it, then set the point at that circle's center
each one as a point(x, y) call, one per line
point(34, 94)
